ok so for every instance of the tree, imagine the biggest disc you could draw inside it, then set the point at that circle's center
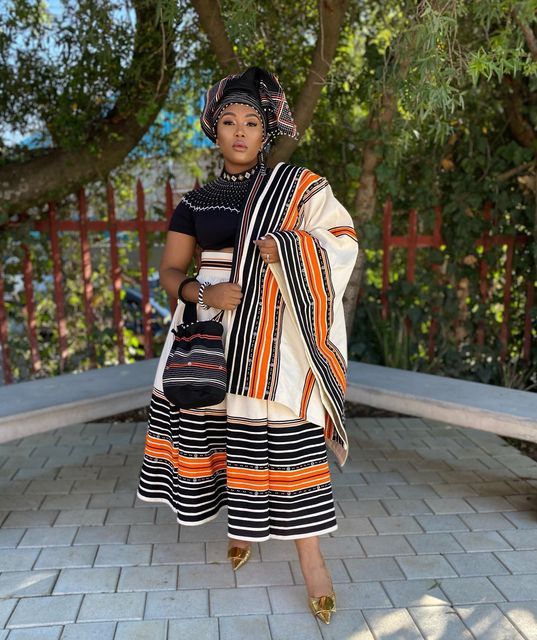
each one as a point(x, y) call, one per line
point(93, 105)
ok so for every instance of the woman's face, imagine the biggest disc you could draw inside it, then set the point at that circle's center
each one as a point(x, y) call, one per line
point(239, 134)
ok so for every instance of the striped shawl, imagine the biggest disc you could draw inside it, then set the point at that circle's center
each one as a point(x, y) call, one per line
point(287, 338)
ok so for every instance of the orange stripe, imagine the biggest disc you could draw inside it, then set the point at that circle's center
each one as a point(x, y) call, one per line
point(265, 330)
point(306, 394)
point(313, 272)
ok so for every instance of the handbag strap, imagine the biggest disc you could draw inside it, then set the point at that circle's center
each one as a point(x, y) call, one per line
point(190, 314)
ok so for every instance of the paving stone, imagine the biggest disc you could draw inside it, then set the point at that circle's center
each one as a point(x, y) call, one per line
point(292, 599)
point(45, 610)
point(180, 553)
point(72, 501)
point(142, 630)
point(17, 559)
point(261, 575)
point(483, 504)
point(386, 545)
point(487, 621)
point(21, 518)
point(37, 633)
point(192, 576)
point(520, 539)
point(209, 531)
point(446, 506)
point(454, 490)
point(440, 623)
point(104, 500)
point(148, 578)
point(373, 492)
point(346, 624)
point(482, 541)
point(16, 584)
point(341, 547)
point(126, 515)
point(362, 595)
point(523, 615)
point(396, 524)
point(48, 537)
point(193, 603)
point(353, 527)
point(118, 555)
point(517, 588)
point(426, 566)
point(86, 581)
point(354, 508)
point(112, 606)
point(198, 628)
point(486, 521)
point(335, 566)
point(519, 561)
point(392, 624)
point(389, 477)
point(411, 491)
point(153, 533)
point(417, 593)
point(89, 631)
point(283, 626)
point(373, 569)
point(80, 517)
point(476, 564)
point(42, 486)
point(6, 608)
point(433, 543)
point(406, 507)
point(470, 590)
point(523, 519)
point(107, 534)
point(62, 557)
point(245, 628)
point(243, 601)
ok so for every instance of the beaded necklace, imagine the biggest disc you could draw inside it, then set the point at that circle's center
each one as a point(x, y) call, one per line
point(242, 175)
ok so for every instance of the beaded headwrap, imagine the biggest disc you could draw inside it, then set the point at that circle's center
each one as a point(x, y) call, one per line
point(257, 88)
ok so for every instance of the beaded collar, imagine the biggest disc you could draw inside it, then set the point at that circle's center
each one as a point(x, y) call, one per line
point(242, 175)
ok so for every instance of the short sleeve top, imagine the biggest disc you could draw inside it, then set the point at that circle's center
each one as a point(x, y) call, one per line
point(211, 213)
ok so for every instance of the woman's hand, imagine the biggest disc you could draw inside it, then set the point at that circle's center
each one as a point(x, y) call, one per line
point(268, 248)
point(223, 295)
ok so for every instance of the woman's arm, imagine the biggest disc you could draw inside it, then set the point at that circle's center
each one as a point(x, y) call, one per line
point(176, 259)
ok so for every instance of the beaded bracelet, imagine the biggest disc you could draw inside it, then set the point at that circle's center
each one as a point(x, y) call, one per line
point(200, 295)
point(180, 289)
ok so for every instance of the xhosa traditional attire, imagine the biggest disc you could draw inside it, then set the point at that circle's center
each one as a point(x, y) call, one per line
point(262, 452)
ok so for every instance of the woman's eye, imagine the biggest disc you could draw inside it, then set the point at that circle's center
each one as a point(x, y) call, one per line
point(253, 123)
point(228, 121)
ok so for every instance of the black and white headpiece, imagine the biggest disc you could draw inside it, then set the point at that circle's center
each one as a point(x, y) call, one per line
point(260, 90)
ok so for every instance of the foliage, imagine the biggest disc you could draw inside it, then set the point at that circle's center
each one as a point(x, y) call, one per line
point(450, 144)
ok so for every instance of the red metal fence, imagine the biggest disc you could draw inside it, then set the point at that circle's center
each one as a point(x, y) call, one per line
point(413, 241)
point(52, 226)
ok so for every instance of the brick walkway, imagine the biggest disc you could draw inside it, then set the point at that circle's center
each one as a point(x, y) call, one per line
point(437, 539)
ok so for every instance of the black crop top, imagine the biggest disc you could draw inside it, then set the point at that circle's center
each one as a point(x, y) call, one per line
point(211, 213)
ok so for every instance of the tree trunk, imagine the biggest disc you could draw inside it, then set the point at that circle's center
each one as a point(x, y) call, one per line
point(378, 122)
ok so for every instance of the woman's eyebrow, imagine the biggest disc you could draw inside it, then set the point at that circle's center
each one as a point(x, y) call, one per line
point(231, 113)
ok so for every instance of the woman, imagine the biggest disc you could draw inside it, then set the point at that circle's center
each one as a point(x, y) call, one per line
point(278, 251)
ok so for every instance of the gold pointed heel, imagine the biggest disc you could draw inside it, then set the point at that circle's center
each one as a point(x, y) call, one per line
point(238, 556)
point(323, 606)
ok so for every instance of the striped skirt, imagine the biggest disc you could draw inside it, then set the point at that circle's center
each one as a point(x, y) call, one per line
point(267, 466)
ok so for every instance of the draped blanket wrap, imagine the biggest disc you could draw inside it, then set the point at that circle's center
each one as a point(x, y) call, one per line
point(287, 337)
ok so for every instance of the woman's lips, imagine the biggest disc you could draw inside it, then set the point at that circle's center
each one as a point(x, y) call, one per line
point(239, 146)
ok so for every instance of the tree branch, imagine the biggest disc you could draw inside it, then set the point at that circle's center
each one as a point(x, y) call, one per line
point(57, 172)
point(331, 16)
point(212, 23)
point(527, 31)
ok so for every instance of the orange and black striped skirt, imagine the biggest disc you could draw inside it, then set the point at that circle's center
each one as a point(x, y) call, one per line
point(254, 457)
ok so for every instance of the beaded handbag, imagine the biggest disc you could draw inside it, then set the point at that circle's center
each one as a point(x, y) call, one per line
point(195, 374)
